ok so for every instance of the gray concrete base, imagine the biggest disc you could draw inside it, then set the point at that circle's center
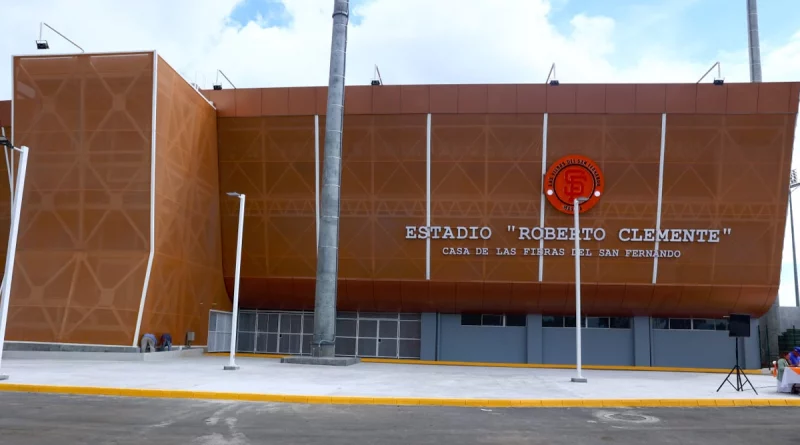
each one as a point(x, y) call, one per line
point(327, 361)
point(30, 346)
point(230, 368)
point(578, 380)
point(3, 376)
point(104, 356)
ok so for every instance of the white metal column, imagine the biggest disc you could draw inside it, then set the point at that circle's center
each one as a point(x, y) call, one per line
point(660, 191)
point(428, 198)
point(235, 317)
point(12, 247)
point(541, 202)
point(146, 284)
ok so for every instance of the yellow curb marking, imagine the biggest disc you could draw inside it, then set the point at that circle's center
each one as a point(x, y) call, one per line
point(397, 401)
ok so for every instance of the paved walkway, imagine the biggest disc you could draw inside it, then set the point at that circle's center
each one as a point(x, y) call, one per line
point(45, 419)
point(269, 380)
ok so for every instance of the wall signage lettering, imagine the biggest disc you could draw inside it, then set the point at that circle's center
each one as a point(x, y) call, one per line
point(626, 235)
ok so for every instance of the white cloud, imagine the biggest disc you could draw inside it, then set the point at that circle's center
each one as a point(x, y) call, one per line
point(413, 41)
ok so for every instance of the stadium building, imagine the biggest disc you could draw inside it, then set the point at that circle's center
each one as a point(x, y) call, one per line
point(456, 239)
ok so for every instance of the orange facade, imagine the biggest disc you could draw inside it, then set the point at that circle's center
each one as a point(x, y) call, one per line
point(123, 220)
point(86, 250)
point(725, 166)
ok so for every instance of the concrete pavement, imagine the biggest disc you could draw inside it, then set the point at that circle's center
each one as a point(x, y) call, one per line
point(269, 380)
point(38, 419)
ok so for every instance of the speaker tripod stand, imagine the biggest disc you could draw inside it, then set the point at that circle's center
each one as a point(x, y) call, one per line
point(741, 377)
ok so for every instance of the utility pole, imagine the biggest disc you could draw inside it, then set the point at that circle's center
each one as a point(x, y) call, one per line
point(328, 248)
point(753, 41)
point(771, 319)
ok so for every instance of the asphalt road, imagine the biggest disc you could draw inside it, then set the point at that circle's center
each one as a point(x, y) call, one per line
point(38, 419)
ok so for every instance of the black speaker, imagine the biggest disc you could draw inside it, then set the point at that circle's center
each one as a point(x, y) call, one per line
point(739, 325)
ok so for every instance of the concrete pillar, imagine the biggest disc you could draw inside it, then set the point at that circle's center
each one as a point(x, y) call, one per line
point(322, 344)
point(641, 341)
point(535, 349)
point(752, 356)
point(770, 331)
point(429, 338)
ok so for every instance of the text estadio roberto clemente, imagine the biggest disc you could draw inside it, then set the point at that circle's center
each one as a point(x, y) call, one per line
point(568, 234)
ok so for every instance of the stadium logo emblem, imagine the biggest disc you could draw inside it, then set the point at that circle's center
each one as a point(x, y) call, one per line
point(573, 177)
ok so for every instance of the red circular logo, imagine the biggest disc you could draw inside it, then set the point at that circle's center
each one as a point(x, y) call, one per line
point(573, 177)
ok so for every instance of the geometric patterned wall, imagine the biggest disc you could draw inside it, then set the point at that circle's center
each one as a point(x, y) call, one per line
point(485, 171)
point(730, 171)
point(727, 157)
point(84, 239)
point(383, 190)
point(84, 228)
point(271, 161)
point(186, 278)
point(5, 210)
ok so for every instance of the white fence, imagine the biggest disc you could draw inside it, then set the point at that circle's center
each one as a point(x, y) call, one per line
point(361, 334)
point(219, 331)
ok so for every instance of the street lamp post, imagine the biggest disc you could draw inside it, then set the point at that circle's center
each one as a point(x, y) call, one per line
point(576, 207)
point(231, 366)
point(793, 184)
point(16, 205)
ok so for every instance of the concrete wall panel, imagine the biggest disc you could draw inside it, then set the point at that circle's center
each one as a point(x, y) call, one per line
point(481, 343)
point(599, 346)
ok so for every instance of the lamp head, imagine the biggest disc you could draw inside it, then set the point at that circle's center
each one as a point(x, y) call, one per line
point(42, 44)
point(234, 194)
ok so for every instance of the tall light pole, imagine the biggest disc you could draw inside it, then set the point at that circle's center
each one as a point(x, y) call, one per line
point(576, 209)
point(793, 184)
point(16, 205)
point(754, 46)
point(231, 366)
point(328, 248)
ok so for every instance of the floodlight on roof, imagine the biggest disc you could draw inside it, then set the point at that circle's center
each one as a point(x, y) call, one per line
point(218, 85)
point(43, 44)
point(376, 77)
point(551, 76)
point(719, 80)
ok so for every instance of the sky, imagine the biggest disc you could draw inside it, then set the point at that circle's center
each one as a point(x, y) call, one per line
point(264, 43)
